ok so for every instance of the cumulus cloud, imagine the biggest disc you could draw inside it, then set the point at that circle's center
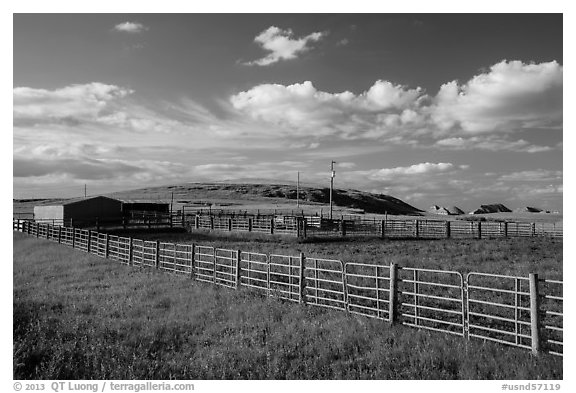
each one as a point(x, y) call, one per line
point(130, 27)
point(303, 109)
point(69, 105)
point(282, 46)
point(510, 96)
point(416, 169)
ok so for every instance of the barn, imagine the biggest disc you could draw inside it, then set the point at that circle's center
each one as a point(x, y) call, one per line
point(131, 207)
point(84, 210)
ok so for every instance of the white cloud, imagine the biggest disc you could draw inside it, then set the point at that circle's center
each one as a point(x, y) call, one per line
point(301, 109)
point(511, 96)
point(417, 169)
point(507, 99)
point(130, 27)
point(533, 175)
point(71, 104)
point(347, 165)
point(490, 143)
point(282, 46)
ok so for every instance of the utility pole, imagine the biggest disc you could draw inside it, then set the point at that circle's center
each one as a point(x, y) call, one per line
point(298, 190)
point(84, 190)
point(332, 174)
point(171, 203)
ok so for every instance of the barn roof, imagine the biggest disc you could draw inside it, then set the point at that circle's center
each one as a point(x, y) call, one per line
point(71, 201)
point(155, 202)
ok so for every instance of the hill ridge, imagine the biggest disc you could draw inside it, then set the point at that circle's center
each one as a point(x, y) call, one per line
point(218, 191)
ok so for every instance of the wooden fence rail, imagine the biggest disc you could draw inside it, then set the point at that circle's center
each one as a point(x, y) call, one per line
point(525, 312)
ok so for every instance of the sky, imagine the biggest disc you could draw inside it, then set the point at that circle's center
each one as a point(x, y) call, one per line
point(434, 109)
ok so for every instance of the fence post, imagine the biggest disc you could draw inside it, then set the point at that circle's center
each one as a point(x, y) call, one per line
point(230, 225)
point(271, 226)
point(302, 280)
point(89, 241)
point(479, 229)
point(343, 227)
point(48, 230)
point(124, 222)
point(196, 221)
point(417, 232)
point(157, 262)
point(59, 234)
point(448, 230)
point(533, 229)
point(211, 223)
point(416, 299)
point(192, 262)
point(298, 227)
point(505, 228)
point(214, 259)
point(377, 291)
point(130, 252)
point(107, 246)
point(73, 237)
point(393, 300)
point(250, 224)
point(268, 274)
point(238, 270)
point(534, 313)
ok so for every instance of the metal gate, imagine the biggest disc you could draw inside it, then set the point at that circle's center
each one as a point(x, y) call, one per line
point(499, 309)
point(325, 283)
point(432, 299)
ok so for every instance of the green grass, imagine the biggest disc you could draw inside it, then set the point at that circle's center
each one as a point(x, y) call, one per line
point(77, 316)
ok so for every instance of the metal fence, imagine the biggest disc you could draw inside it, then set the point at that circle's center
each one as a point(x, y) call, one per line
point(525, 312)
point(499, 309)
point(313, 226)
point(285, 276)
point(175, 258)
point(432, 299)
point(255, 270)
point(368, 289)
point(119, 249)
point(325, 283)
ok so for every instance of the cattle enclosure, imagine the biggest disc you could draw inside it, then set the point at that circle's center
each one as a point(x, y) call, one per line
point(319, 227)
point(525, 312)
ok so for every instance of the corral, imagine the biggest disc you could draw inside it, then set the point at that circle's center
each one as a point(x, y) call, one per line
point(495, 307)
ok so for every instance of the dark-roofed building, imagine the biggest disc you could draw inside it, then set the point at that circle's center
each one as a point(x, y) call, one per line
point(148, 207)
point(81, 210)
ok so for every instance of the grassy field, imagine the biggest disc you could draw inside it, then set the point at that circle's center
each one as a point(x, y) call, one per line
point(512, 256)
point(77, 316)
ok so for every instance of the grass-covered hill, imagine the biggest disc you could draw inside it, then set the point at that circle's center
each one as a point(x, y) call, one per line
point(271, 194)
